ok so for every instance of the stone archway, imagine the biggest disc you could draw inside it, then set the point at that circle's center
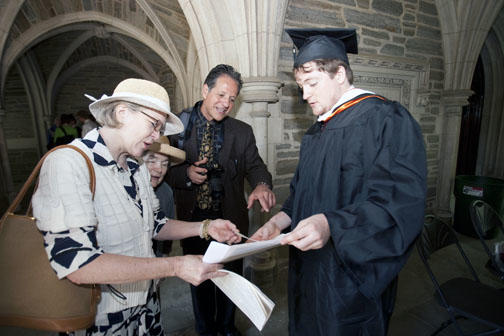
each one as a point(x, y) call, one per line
point(52, 25)
point(40, 90)
point(245, 34)
point(465, 26)
point(491, 146)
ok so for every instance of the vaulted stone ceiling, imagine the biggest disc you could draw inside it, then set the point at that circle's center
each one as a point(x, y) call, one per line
point(66, 34)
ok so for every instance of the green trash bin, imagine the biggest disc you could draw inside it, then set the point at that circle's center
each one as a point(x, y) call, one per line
point(469, 188)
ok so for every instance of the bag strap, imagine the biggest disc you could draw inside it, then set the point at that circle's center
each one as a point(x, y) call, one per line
point(34, 175)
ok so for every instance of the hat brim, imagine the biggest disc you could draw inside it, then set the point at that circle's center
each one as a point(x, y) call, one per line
point(173, 123)
point(176, 155)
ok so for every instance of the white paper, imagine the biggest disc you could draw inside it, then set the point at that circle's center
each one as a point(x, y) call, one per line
point(246, 296)
point(221, 253)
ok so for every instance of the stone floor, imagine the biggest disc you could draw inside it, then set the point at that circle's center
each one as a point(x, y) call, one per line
point(416, 313)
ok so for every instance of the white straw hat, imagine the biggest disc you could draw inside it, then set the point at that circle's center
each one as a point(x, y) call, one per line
point(162, 146)
point(144, 93)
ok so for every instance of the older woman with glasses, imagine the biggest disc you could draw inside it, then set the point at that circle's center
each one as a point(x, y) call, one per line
point(108, 240)
point(158, 159)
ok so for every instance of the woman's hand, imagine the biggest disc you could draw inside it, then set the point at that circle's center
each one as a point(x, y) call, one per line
point(192, 269)
point(224, 231)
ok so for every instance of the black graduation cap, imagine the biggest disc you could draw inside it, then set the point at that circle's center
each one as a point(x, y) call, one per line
point(320, 43)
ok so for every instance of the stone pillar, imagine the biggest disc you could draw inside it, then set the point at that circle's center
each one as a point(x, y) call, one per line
point(5, 171)
point(451, 102)
point(259, 92)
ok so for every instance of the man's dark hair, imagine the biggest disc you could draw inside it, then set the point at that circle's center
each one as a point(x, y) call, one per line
point(331, 67)
point(223, 69)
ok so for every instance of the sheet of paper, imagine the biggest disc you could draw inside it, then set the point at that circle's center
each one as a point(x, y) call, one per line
point(247, 297)
point(221, 253)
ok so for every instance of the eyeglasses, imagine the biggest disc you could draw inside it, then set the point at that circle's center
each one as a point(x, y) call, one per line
point(164, 163)
point(157, 125)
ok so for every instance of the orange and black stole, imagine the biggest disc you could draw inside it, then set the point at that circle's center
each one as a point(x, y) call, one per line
point(349, 104)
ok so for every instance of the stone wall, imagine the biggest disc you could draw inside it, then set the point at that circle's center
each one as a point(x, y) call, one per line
point(18, 129)
point(401, 44)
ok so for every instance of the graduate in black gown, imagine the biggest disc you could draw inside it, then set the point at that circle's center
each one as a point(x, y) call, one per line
point(356, 201)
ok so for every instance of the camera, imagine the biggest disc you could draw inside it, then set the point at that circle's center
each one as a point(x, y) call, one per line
point(215, 174)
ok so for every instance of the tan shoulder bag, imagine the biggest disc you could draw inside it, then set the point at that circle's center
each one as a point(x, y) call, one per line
point(31, 295)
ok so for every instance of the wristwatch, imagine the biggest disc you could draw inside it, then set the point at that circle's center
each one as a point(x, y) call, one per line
point(266, 184)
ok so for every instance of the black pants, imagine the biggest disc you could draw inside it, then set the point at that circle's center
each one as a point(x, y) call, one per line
point(213, 311)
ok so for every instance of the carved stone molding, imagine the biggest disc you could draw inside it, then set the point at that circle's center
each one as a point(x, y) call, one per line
point(456, 97)
point(397, 78)
point(101, 32)
point(260, 89)
point(423, 97)
point(388, 63)
point(402, 84)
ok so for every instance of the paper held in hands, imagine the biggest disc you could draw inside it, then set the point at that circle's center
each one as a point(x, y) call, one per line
point(221, 253)
point(246, 296)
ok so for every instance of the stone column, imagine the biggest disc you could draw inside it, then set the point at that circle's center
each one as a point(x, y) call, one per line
point(259, 92)
point(5, 171)
point(451, 102)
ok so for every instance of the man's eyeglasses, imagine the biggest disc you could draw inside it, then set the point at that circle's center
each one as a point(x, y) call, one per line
point(157, 125)
point(164, 163)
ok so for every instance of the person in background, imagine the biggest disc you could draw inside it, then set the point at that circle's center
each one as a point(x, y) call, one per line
point(107, 239)
point(87, 121)
point(66, 132)
point(50, 132)
point(357, 199)
point(221, 153)
point(158, 159)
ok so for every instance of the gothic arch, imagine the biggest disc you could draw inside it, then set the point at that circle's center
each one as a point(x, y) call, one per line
point(66, 21)
point(220, 35)
point(68, 73)
point(53, 77)
point(491, 157)
point(465, 26)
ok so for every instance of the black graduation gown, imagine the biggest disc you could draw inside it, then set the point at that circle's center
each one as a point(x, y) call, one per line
point(366, 172)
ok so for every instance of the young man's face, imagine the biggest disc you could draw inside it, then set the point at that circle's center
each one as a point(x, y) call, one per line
point(219, 101)
point(319, 89)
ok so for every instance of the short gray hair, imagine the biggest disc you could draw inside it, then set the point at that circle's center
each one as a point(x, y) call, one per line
point(108, 115)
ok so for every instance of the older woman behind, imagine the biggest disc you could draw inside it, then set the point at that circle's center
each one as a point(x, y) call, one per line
point(108, 240)
point(158, 159)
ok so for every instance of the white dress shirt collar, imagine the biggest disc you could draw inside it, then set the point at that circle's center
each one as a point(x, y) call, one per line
point(350, 94)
